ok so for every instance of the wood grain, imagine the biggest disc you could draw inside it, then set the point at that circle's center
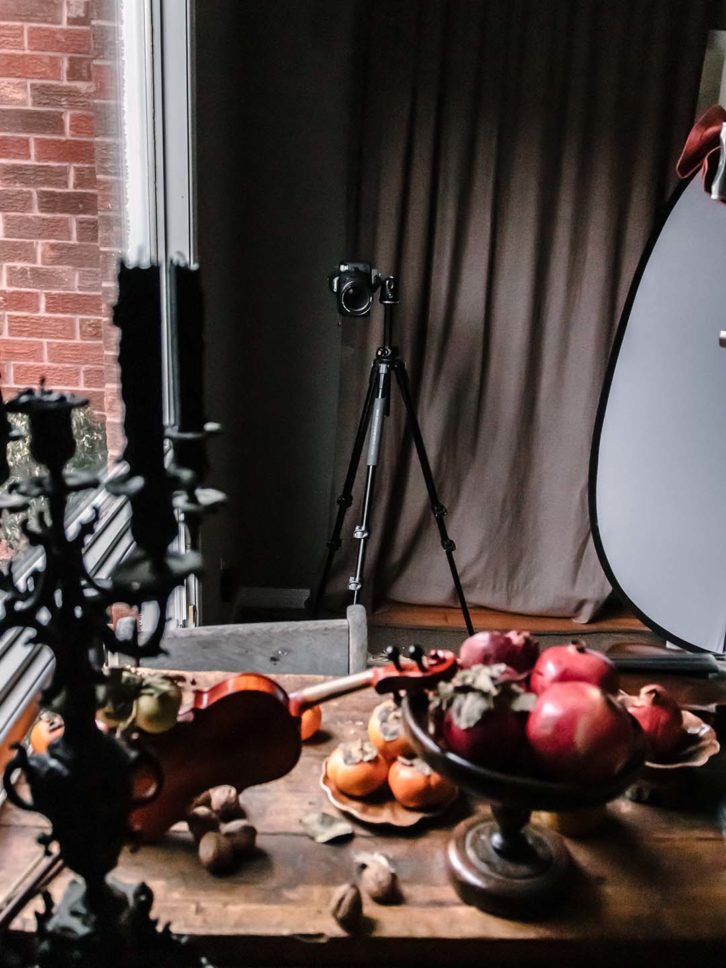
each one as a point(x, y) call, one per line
point(649, 887)
point(394, 614)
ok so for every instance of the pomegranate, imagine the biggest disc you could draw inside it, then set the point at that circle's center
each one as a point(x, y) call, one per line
point(480, 716)
point(661, 719)
point(518, 650)
point(573, 663)
point(578, 732)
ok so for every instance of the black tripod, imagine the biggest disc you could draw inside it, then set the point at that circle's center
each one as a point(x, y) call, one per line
point(377, 406)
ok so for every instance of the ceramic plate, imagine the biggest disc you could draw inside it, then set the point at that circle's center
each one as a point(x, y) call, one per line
point(381, 807)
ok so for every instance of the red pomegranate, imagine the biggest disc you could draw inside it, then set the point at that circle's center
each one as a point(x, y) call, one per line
point(661, 719)
point(578, 732)
point(573, 663)
point(518, 650)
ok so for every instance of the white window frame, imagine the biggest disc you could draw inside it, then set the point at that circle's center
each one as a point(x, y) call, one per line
point(157, 84)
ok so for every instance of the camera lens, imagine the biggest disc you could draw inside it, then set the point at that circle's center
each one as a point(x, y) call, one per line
point(356, 299)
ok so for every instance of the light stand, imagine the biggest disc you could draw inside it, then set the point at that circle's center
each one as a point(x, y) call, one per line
point(376, 406)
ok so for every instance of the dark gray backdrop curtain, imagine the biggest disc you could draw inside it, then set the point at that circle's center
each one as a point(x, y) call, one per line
point(513, 155)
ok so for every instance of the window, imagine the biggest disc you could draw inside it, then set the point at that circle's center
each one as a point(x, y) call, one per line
point(95, 163)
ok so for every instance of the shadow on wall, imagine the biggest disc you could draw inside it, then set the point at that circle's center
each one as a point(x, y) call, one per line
point(275, 124)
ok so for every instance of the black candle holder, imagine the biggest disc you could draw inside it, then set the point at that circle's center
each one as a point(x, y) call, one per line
point(85, 782)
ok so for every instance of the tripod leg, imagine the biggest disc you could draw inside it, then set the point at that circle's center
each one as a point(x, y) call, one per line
point(438, 509)
point(345, 499)
point(361, 532)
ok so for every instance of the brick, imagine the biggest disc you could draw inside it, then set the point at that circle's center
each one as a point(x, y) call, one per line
point(13, 251)
point(12, 36)
point(62, 96)
point(84, 177)
point(63, 40)
point(80, 255)
point(108, 159)
point(42, 327)
point(15, 200)
point(21, 350)
point(87, 230)
point(28, 121)
point(81, 124)
point(73, 351)
point(90, 329)
point(96, 401)
point(63, 149)
point(19, 301)
point(73, 302)
point(78, 12)
point(34, 176)
point(94, 376)
point(37, 67)
point(107, 120)
point(105, 82)
point(14, 92)
point(37, 227)
point(79, 69)
point(38, 277)
point(32, 11)
point(110, 195)
point(70, 203)
point(111, 341)
point(30, 374)
point(104, 10)
point(89, 280)
point(14, 147)
point(110, 231)
point(105, 42)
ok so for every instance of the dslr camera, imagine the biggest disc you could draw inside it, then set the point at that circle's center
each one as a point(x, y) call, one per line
point(354, 285)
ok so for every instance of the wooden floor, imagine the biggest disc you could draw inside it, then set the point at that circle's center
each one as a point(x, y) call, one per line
point(613, 618)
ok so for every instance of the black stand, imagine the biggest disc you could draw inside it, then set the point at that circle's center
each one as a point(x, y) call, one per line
point(377, 406)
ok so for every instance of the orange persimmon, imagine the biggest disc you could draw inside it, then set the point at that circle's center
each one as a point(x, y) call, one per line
point(415, 785)
point(310, 722)
point(47, 729)
point(357, 769)
point(385, 731)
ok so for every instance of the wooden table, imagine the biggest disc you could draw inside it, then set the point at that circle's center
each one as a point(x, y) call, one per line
point(650, 887)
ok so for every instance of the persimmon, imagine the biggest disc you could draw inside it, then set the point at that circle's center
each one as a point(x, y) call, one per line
point(48, 728)
point(310, 722)
point(415, 785)
point(357, 769)
point(385, 731)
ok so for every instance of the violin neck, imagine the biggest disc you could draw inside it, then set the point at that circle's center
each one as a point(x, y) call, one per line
point(323, 691)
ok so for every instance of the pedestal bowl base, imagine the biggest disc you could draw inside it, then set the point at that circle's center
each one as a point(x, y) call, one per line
point(519, 882)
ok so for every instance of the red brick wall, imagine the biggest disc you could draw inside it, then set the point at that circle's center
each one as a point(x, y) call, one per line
point(60, 199)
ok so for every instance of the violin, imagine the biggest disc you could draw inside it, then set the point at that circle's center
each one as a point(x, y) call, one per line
point(246, 730)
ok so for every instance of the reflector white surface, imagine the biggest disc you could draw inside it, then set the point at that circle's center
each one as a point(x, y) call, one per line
point(659, 484)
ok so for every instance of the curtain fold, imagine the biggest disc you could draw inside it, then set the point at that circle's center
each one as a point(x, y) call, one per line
point(513, 157)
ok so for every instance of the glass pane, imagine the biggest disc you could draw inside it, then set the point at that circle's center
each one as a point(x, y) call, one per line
point(63, 203)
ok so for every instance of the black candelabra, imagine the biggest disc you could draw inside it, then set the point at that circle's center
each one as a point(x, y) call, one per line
point(87, 782)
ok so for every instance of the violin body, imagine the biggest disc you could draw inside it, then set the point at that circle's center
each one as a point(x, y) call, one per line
point(241, 733)
point(246, 730)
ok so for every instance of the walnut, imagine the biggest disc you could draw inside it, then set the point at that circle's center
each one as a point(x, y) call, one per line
point(241, 834)
point(380, 883)
point(224, 801)
point(201, 820)
point(217, 853)
point(347, 907)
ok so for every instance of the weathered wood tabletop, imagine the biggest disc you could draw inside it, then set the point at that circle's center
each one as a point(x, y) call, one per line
point(650, 886)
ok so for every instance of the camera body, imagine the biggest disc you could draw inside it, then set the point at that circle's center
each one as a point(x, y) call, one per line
point(354, 285)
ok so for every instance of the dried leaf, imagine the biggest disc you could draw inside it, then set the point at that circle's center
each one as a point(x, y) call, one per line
point(322, 827)
point(524, 703)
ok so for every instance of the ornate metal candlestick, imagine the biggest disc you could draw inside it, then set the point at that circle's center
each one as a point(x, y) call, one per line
point(84, 784)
